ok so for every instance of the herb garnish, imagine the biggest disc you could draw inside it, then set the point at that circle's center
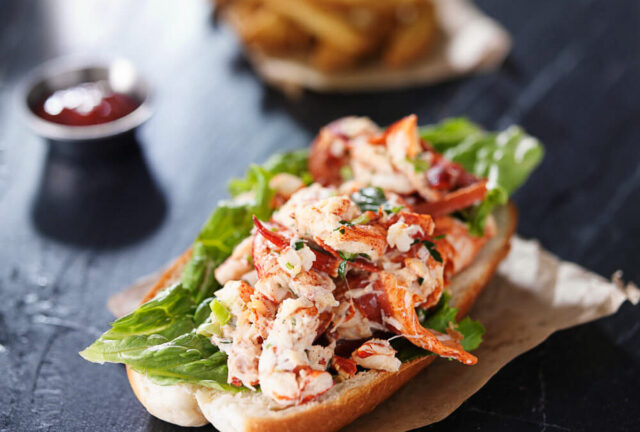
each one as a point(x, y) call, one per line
point(346, 258)
point(342, 269)
point(431, 247)
point(369, 198)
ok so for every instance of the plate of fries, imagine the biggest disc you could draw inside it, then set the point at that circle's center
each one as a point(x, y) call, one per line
point(364, 45)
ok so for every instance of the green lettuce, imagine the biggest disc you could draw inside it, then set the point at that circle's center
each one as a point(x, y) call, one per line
point(294, 163)
point(160, 338)
point(505, 158)
point(439, 318)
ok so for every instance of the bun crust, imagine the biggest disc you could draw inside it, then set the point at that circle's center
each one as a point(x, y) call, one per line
point(188, 405)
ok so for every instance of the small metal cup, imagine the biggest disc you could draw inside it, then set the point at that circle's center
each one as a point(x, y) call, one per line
point(92, 140)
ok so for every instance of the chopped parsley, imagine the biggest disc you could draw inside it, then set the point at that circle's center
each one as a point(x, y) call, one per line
point(433, 250)
point(342, 269)
point(369, 198)
point(347, 256)
point(298, 245)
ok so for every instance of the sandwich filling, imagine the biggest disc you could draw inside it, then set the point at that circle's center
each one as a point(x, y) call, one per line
point(341, 268)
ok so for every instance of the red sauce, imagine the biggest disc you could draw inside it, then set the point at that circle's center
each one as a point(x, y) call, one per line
point(85, 104)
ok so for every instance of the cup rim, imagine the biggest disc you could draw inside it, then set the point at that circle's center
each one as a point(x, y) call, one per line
point(60, 132)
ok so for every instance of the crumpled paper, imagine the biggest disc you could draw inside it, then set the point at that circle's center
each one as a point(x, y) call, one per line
point(532, 295)
point(470, 42)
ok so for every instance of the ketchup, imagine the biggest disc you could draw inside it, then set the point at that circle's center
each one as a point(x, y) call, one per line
point(85, 104)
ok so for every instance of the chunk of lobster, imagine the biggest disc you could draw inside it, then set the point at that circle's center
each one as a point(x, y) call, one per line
point(377, 354)
point(286, 269)
point(456, 200)
point(459, 246)
point(237, 265)
point(408, 155)
point(345, 367)
point(400, 316)
point(327, 259)
point(278, 238)
point(285, 367)
point(330, 149)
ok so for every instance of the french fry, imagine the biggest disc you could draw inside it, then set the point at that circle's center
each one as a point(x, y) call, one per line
point(331, 59)
point(266, 30)
point(336, 34)
point(412, 39)
point(323, 23)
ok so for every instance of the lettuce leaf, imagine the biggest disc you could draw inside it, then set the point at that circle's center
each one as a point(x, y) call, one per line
point(476, 216)
point(506, 158)
point(439, 318)
point(159, 338)
point(294, 163)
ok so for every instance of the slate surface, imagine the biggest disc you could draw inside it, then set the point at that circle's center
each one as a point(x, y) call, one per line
point(572, 80)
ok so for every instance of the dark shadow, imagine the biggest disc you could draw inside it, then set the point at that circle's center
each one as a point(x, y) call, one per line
point(312, 110)
point(552, 387)
point(102, 200)
point(157, 425)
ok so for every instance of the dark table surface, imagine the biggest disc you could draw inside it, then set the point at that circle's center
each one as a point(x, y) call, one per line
point(73, 234)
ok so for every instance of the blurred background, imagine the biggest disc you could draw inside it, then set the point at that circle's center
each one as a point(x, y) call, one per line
point(74, 231)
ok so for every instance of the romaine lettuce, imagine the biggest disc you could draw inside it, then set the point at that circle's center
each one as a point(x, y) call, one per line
point(159, 338)
point(506, 158)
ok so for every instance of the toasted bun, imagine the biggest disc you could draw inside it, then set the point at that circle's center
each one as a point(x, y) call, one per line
point(188, 405)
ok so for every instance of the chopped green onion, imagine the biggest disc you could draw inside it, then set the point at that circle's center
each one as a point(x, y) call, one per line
point(219, 313)
point(419, 165)
point(362, 219)
point(388, 209)
point(208, 329)
point(346, 172)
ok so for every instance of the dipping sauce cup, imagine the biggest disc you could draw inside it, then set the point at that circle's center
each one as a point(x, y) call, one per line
point(86, 107)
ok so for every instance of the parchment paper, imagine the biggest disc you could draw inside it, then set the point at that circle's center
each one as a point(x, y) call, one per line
point(532, 295)
point(470, 42)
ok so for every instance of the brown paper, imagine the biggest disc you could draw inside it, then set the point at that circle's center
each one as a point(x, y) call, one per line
point(532, 295)
point(470, 42)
